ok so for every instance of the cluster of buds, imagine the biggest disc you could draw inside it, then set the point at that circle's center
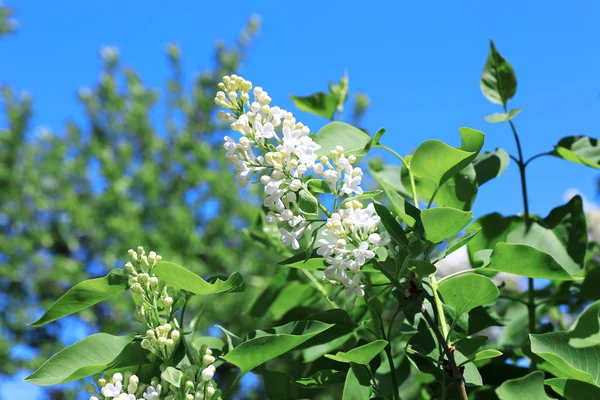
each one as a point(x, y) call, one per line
point(124, 386)
point(161, 340)
point(197, 381)
point(155, 308)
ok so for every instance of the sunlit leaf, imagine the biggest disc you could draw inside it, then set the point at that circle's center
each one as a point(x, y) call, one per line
point(181, 278)
point(579, 149)
point(352, 139)
point(530, 387)
point(498, 80)
point(466, 292)
point(84, 295)
point(572, 389)
point(360, 355)
point(321, 104)
point(444, 222)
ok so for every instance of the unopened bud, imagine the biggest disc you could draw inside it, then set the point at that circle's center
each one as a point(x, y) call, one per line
point(91, 389)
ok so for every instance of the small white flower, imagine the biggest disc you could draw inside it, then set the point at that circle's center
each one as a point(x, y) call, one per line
point(374, 238)
point(289, 238)
point(153, 393)
point(295, 185)
point(111, 390)
point(352, 184)
point(362, 253)
point(230, 145)
point(355, 288)
point(263, 131)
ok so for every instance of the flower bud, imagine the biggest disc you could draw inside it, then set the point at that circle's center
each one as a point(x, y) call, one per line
point(91, 389)
point(210, 391)
point(208, 373)
point(301, 169)
point(137, 288)
point(170, 343)
point(189, 396)
point(208, 359)
point(374, 238)
point(189, 384)
point(175, 335)
point(352, 158)
point(318, 168)
point(168, 301)
point(101, 382)
point(118, 377)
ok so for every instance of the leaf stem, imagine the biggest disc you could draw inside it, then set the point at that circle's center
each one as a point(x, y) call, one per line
point(462, 272)
point(325, 210)
point(530, 282)
point(439, 306)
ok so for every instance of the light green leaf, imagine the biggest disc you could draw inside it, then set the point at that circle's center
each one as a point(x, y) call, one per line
point(210, 341)
point(484, 355)
point(498, 80)
point(364, 196)
point(322, 379)
point(391, 175)
point(572, 389)
point(529, 387)
point(435, 163)
point(577, 363)
point(307, 203)
point(352, 139)
point(490, 165)
point(357, 385)
point(579, 149)
point(360, 355)
point(172, 375)
point(262, 346)
point(321, 104)
point(523, 260)
point(444, 222)
point(299, 261)
point(497, 118)
point(84, 295)
point(318, 186)
point(494, 229)
point(181, 278)
point(585, 331)
point(466, 292)
point(89, 356)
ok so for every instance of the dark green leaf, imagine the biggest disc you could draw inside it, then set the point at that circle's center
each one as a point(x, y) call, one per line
point(353, 388)
point(318, 186)
point(572, 389)
point(498, 80)
point(307, 203)
point(585, 331)
point(210, 341)
point(391, 225)
point(405, 210)
point(374, 140)
point(279, 386)
point(84, 295)
point(322, 379)
point(181, 278)
point(490, 165)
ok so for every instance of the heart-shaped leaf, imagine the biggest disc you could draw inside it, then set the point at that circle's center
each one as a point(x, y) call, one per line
point(444, 222)
point(352, 139)
point(466, 292)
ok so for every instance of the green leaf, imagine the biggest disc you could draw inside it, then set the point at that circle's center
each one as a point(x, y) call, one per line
point(318, 186)
point(562, 234)
point(181, 278)
point(572, 389)
point(279, 386)
point(524, 260)
point(352, 139)
point(529, 387)
point(497, 118)
point(360, 355)
point(577, 363)
point(421, 268)
point(89, 356)
point(498, 80)
point(391, 225)
point(321, 104)
point(307, 203)
point(444, 222)
point(375, 140)
point(484, 355)
point(435, 163)
point(469, 346)
point(490, 165)
point(84, 295)
point(364, 196)
point(459, 242)
point(173, 376)
point(322, 379)
point(579, 149)
point(391, 175)
point(299, 261)
point(466, 292)
point(494, 229)
point(262, 346)
point(585, 331)
point(353, 388)
point(405, 210)
point(210, 341)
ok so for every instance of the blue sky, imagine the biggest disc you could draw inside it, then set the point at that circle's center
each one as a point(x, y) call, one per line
point(419, 62)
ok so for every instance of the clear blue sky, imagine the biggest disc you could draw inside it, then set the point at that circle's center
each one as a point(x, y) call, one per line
point(418, 61)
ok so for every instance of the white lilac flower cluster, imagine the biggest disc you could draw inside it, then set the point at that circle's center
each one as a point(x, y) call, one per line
point(155, 308)
point(277, 148)
point(197, 382)
point(125, 386)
